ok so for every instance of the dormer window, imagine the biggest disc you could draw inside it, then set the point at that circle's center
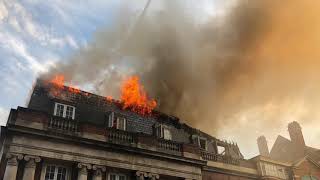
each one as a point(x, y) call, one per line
point(117, 122)
point(163, 131)
point(65, 111)
point(200, 141)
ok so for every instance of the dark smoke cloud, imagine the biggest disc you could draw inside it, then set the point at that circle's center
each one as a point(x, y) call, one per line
point(260, 57)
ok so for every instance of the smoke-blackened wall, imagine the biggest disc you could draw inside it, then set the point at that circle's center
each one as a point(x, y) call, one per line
point(256, 61)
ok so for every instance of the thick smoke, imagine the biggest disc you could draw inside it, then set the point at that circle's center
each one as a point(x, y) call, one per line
point(256, 61)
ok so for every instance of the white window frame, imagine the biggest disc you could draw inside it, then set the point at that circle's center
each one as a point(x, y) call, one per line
point(117, 176)
point(206, 143)
point(162, 134)
point(64, 110)
point(44, 171)
point(198, 138)
point(112, 118)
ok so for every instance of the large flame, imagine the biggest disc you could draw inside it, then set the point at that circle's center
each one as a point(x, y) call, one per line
point(134, 97)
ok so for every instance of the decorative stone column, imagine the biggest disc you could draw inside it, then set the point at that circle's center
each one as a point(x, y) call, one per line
point(83, 171)
point(153, 176)
point(142, 175)
point(30, 167)
point(98, 170)
point(12, 166)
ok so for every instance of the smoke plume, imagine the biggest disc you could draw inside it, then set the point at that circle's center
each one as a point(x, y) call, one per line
point(257, 61)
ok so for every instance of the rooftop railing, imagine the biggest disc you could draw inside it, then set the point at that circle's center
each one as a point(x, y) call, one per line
point(219, 158)
point(119, 136)
point(63, 124)
point(167, 145)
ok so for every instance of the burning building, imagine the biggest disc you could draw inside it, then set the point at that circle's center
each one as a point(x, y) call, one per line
point(66, 134)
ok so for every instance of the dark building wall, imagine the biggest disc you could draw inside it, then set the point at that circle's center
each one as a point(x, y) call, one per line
point(95, 110)
point(140, 125)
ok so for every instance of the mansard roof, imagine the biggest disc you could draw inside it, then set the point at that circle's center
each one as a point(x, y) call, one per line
point(93, 108)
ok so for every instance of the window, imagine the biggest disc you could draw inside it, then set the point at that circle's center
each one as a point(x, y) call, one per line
point(164, 132)
point(63, 110)
point(200, 141)
point(117, 122)
point(113, 176)
point(273, 170)
point(308, 177)
point(69, 112)
point(221, 150)
point(55, 172)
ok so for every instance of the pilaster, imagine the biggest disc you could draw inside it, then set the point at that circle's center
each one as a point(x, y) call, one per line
point(83, 171)
point(98, 172)
point(12, 166)
point(30, 167)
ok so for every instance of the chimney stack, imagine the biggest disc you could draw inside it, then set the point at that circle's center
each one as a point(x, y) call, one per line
point(263, 146)
point(296, 137)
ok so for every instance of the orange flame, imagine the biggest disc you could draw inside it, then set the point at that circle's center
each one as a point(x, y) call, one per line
point(59, 82)
point(134, 97)
point(109, 98)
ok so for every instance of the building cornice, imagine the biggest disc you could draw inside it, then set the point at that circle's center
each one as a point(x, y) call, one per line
point(14, 129)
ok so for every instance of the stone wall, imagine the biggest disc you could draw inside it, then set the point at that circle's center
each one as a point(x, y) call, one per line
point(305, 167)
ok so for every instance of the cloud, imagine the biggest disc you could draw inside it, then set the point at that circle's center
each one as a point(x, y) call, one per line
point(17, 47)
point(3, 11)
point(3, 116)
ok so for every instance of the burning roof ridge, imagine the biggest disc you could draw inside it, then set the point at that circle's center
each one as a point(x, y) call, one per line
point(66, 87)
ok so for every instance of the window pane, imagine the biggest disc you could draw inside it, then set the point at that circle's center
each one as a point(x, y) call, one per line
point(203, 143)
point(305, 177)
point(59, 110)
point(114, 122)
point(50, 170)
point(121, 177)
point(61, 173)
point(121, 123)
point(69, 112)
point(112, 177)
point(167, 134)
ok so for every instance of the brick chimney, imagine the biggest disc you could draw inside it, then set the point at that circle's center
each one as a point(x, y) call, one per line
point(263, 146)
point(296, 137)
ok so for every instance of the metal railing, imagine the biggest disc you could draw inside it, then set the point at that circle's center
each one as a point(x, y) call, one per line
point(63, 124)
point(119, 136)
point(167, 145)
point(219, 158)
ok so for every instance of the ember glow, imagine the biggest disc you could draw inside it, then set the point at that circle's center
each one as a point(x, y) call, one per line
point(59, 82)
point(134, 97)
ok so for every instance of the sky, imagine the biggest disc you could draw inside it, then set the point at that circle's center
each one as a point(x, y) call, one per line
point(36, 34)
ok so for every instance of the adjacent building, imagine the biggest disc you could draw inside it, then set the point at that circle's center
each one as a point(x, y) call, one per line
point(292, 156)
